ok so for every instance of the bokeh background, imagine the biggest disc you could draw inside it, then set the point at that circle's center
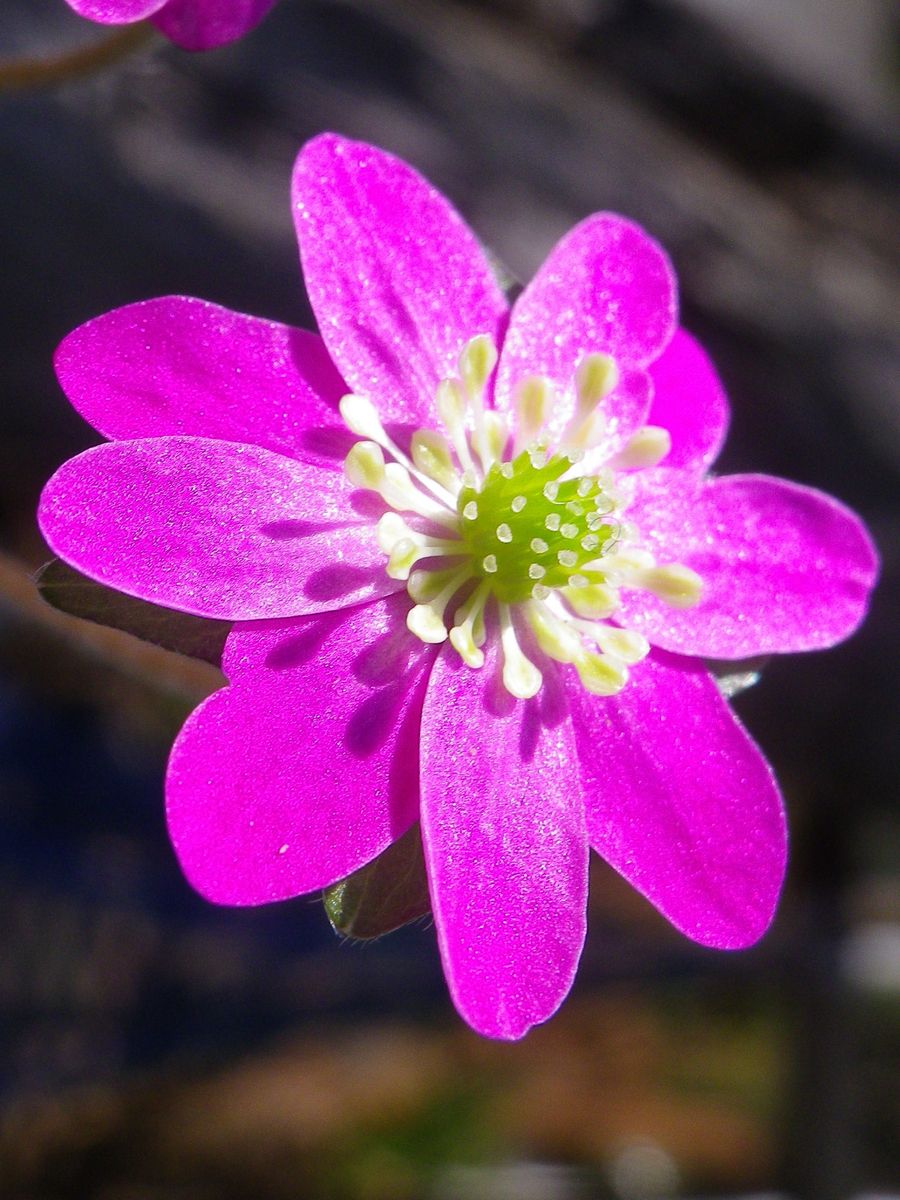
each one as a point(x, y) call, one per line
point(155, 1048)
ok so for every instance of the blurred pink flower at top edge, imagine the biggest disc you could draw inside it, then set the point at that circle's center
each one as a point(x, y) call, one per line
point(475, 561)
point(191, 24)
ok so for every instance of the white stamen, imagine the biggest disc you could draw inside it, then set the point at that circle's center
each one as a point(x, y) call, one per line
point(404, 546)
point(538, 545)
point(470, 511)
point(504, 533)
point(431, 454)
point(398, 490)
point(647, 447)
point(476, 361)
point(676, 584)
point(468, 622)
point(521, 678)
point(555, 637)
point(518, 503)
point(627, 645)
point(426, 621)
point(496, 435)
point(361, 417)
point(594, 601)
point(533, 401)
point(451, 406)
point(390, 529)
point(364, 466)
point(600, 675)
point(597, 375)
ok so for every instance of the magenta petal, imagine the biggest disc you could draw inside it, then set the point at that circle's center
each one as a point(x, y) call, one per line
point(307, 766)
point(505, 845)
point(213, 528)
point(205, 24)
point(784, 567)
point(681, 802)
point(606, 287)
point(115, 12)
point(395, 277)
point(689, 401)
point(177, 365)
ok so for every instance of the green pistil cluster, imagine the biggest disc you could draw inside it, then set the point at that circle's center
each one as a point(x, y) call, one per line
point(530, 532)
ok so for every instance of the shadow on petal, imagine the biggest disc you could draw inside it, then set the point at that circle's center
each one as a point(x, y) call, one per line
point(285, 531)
point(331, 444)
point(388, 657)
point(303, 646)
point(342, 579)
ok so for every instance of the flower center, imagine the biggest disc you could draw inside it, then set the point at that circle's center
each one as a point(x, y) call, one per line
point(529, 532)
point(498, 515)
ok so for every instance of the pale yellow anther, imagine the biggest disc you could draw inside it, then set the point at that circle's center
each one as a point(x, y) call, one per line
point(463, 642)
point(470, 511)
point(592, 602)
point(628, 560)
point(521, 678)
point(451, 404)
point(476, 361)
point(646, 448)
point(597, 375)
point(599, 675)
point(677, 585)
point(533, 401)
point(595, 378)
point(626, 645)
point(427, 624)
point(425, 586)
point(361, 417)
point(494, 435)
point(364, 466)
point(555, 637)
point(518, 503)
point(398, 490)
point(389, 530)
point(468, 632)
point(431, 454)
point(504, 533)
point(402, 556)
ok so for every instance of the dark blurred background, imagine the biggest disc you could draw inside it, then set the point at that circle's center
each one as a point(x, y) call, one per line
point(155, 1048)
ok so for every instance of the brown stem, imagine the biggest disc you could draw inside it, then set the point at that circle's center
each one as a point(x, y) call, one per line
point(23, 74)
point(160, 669)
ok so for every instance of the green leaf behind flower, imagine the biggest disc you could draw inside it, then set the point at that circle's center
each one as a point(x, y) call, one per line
point(388, 892)
point(71, 592)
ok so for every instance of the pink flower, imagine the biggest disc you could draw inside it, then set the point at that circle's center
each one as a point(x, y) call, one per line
point(191, 24)
point(514, 660)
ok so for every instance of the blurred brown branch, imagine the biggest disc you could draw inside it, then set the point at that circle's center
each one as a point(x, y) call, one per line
point(24, 74)
point(166, 671)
